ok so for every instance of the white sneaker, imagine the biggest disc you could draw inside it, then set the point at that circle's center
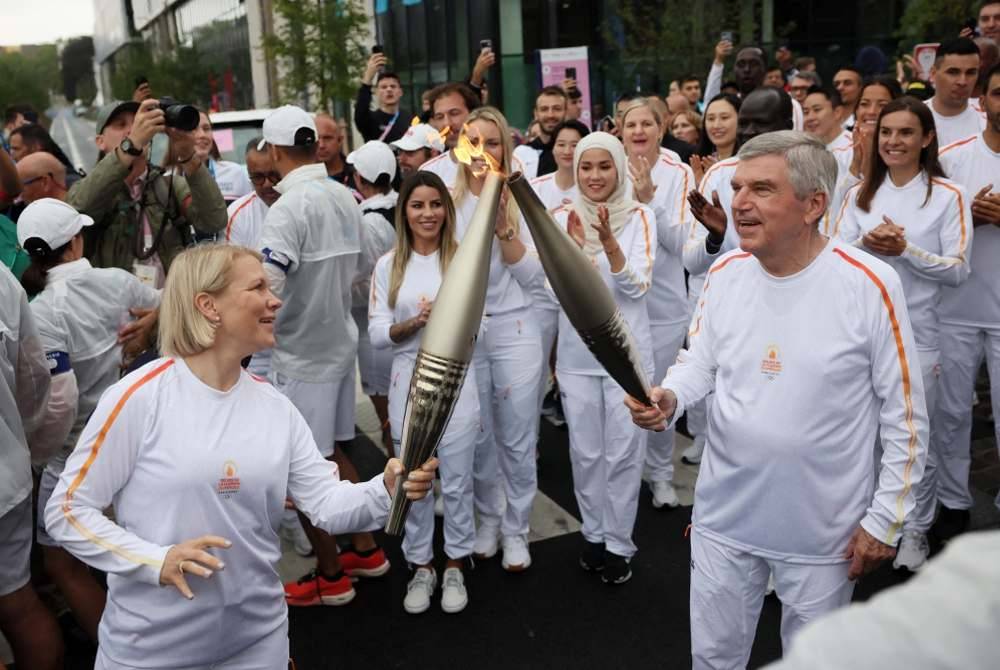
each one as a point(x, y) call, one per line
point(692, 455)
point(770, 585)
point(664, 494)
point(913, 550)
point(485, 545)
point(294, 533)
point(454, 597)
point(419, 591)
point(516, 557)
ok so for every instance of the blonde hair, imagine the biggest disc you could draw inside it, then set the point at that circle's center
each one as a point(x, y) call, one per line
point(496, 117)
point(404, 235)
point(646, 103)
point(184, 330)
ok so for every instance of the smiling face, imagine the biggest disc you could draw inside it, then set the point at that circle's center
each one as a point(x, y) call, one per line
point(900, 140)
point(684, 130)
point(989, 21)
point(720, 123)
point(770, 219)
point(640, 132)
point(873, 98)
point(203, 138)
point(247, 308)
point(550, 111)
point(597, 176)
point(820, 118)
point(425, 214)
point(565, 147)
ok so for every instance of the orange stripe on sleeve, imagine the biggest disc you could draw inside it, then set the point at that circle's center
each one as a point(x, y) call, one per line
point(95, 449)
point(229, 226)
point(957, 143)
point(843, 208)
point(907, 390)
point(704, 289)
point(961, 212)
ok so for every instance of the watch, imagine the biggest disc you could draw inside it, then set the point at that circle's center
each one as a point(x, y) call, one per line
point(128, 147)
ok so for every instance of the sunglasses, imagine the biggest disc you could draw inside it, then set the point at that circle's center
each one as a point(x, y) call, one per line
point(258, 178)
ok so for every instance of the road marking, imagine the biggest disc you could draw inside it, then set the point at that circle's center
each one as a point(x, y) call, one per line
point(74, 150)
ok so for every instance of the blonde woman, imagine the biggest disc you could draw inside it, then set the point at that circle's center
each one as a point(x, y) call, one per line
point(404, 286)
point(606, 449)
point(508, 358)
point(663, 184)
point(197, 457)
point(686, 127)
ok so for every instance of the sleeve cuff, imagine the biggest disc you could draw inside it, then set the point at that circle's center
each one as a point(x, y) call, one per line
point(151, 573)
point(878, 529)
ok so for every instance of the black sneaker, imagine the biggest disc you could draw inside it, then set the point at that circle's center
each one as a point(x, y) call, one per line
point(592, 558)
point(950, 524)
point(616, 569)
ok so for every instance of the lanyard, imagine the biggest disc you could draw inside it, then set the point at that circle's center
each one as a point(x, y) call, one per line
point(388, 126)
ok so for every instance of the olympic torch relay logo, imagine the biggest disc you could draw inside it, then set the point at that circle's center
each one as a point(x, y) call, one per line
point(229, 484)
point(770, 367)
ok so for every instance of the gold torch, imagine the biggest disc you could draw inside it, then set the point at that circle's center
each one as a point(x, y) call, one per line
point(446, 347)
point(582, 294)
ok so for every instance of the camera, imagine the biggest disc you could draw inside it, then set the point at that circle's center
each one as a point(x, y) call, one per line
point(178, 115)
point(486, 44)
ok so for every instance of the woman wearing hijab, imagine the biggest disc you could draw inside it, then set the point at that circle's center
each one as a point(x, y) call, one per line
point(619, 235)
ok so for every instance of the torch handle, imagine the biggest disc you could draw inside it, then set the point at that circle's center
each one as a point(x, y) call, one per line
point(400, 507)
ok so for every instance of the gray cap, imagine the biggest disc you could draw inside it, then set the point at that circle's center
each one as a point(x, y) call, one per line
point(110, 110)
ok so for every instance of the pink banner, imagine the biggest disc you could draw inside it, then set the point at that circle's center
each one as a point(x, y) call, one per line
point(555, 62)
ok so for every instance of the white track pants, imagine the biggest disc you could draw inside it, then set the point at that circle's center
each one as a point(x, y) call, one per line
point(925, 491)
point(667, 341)
point(455, 454)
point(548, 328)
point(727, 592)
point(962, 352)
point(508, 362)
point(606, 450)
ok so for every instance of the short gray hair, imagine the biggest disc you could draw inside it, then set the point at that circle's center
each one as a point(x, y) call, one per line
point(812, 77)
point(811, 168)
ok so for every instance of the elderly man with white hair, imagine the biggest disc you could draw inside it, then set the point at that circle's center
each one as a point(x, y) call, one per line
point(808, 346)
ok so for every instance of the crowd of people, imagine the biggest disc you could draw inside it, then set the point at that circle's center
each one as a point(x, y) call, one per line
point(805, 270)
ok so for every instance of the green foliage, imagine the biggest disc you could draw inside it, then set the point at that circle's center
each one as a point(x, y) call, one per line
point(321, 45)
point(933, 20)
point(660, 40)
point(182, 74)
point(29, 76)
point(78, 69)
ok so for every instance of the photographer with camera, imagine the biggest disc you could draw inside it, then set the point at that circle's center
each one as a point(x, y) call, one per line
point(142, 218)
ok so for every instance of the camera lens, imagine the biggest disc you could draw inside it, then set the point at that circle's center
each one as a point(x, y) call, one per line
point(178, 115)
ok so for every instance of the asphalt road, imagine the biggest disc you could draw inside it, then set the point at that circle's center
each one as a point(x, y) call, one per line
point(75, 135)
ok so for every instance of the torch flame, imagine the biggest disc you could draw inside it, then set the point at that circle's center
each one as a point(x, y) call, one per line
point(475, 156)
point(415, 121)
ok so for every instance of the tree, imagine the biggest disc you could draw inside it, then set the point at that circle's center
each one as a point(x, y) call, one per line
point(29, 76)
point(78, 69)
point(182, 74)
point(933, 20)
point(321, 45)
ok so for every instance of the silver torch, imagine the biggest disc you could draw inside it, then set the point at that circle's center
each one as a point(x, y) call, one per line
point(446, 347)
point(582, 294)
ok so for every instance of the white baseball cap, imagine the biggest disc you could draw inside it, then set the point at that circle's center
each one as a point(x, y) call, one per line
point(420, 136)
point(52, 221)
point(373, 159)
point(288, 126)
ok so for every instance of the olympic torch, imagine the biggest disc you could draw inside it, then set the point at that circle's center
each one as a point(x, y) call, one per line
point(446, 347)
point(582, 293)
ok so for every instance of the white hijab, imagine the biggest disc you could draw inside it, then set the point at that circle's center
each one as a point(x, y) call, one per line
point(620, 203)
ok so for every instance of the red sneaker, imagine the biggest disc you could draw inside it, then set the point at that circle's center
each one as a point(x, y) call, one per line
point(356, 565)
point(315, 589)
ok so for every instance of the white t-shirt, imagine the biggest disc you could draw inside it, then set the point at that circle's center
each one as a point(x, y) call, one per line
point(445, 166)
point(529, 157)
point(953, 128)
point(232, 178)
point(971, 163)
point(938, 237)
point(378, 236)
point(509, 285)
point(553, 198)
point(178, 460)
point(667, 300)
point(807, 370)
point(246, 220)
point(630, 288)
point(78, 316)
point(313, 235)
point(24, 389)
point(842, 149)
point(420, 285)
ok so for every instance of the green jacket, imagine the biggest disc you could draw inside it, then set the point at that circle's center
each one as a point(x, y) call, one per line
point(104, 196)
point(11, 253)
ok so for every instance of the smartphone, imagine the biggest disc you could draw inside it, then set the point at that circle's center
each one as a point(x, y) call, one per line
point(377, 49)
point(973, 25)
point(140, 80)
point(571, 73)
point(726, 36)
point(486, 44)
